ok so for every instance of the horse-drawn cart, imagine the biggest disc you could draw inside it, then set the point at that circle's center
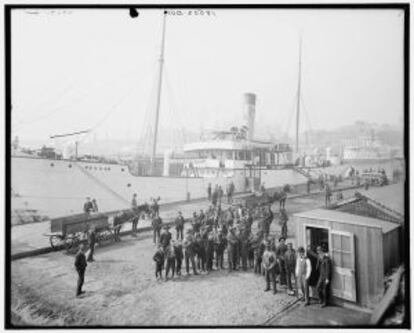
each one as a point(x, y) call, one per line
point(71, 231)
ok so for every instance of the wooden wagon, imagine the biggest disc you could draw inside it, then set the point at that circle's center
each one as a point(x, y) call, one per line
point(71, 231)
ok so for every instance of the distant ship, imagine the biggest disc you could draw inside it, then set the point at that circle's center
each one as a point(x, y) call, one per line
point(368, 148)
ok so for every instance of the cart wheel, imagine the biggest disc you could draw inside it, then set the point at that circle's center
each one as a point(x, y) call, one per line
point(55, 241)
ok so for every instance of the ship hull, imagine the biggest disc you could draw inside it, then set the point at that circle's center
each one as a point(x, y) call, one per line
point(59, 187)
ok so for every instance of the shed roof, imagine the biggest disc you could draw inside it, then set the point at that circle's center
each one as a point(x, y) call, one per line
point(391, 196)
point(340, 217)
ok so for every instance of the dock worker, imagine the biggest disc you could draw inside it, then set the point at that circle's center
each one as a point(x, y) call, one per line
point(165, 238)
point(179, 255)
point(170, 256)
point(220, 244)
point(155, 207)
point(244, 249)
point(179, 226)
point(314, 277)
point(91, 241)
point(280, 254)
point(328, 194)
point(200, 251)
point(88, 207)
point(283, 222)
point(94, 205)
point(232, 189)
point(290, 267)
point(209, 250)
point(269, 262)
point(159, 258)
point(232, 244)
point(156, 228)
point(255, 245)
point(134, 204)
point(189, 250)
point(135, 210)
point(80, 266)
point(303, 273)
point(325, 273)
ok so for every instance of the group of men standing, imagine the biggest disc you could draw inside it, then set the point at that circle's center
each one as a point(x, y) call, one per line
point(216, 196)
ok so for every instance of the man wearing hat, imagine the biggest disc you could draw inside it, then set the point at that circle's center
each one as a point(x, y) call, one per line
point(156, 227)
point(220, 244)
point(209, 251)
point(165, 237)
point(244, 248)
point(290, 266)
point(159, 258)
point(80, 265)
point(189, 252)
point(325, 274)
point(280, 254)
point(170, 255)
point(283, 222)
point(179, 225)
point(232, 244)
point(303, 272)
point(269, 262)
point(179, 255)
point(88, 207)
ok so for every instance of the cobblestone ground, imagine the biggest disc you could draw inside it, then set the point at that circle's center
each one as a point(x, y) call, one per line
point(121, 288)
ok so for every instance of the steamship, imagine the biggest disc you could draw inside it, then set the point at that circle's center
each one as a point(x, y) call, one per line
point(52, 187)
point(56, 187)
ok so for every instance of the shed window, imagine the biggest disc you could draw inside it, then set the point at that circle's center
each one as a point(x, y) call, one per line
point(341, 251)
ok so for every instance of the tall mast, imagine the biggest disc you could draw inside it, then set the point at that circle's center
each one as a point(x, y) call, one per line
point(298, 96)
point(157, 113)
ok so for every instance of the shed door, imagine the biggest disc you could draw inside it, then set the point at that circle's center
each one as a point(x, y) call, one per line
point(343, 260)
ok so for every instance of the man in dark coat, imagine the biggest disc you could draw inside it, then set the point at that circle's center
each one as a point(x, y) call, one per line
point(283, 222)
point(313, 280)
point(325, 274)
point(179, 255)
point(135, 210)
point(220, 244)
point(200, 252)
point(232, 243)
point(156, 227)
point(88, 206)
point(170, 255)
point(179, 226)
point(209, 192)
point(91, 241)
point(209, 251)
point(282, 199)
point(280, 254)
point(80, 265)
point(328, 194)
point(165, 238)
point(290, 266)
point(244, 249)
point(159, 258)
point(189, 249)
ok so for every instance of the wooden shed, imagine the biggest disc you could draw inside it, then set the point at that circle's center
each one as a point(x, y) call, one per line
point(362, 249)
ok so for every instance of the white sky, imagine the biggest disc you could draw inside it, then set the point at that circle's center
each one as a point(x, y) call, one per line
point(71, 68)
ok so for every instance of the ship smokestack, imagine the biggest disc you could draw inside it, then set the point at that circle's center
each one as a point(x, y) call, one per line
point(250, 113)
